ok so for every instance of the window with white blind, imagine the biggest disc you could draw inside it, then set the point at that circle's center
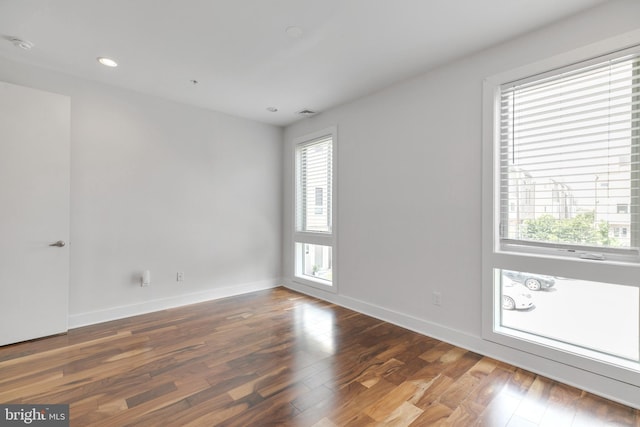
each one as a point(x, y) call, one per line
point(314, 234)
point(561, 204)
point(569, 159)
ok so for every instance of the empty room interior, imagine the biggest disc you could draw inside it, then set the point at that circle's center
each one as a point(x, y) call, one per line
point(331, 213)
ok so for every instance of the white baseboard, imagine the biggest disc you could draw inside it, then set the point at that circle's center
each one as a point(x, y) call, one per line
point(609, 388)
point(114, 313)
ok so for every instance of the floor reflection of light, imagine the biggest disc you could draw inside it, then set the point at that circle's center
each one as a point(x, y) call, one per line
point(314, 326)
point(503, 406)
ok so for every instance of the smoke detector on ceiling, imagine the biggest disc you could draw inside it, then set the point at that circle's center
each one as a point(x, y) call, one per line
point(306, 113)
point(294, 32)
point(22, 44)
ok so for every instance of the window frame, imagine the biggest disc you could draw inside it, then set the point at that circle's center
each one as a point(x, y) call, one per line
point(543, 260)
point(316, 238)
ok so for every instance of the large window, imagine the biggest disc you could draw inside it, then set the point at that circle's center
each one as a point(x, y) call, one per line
point(314, 234)
point(562, 211)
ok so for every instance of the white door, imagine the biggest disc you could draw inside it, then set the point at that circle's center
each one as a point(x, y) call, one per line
point(34, 213)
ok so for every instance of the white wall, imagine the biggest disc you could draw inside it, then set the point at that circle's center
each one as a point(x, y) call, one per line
point(409, 194)
point(166, 187)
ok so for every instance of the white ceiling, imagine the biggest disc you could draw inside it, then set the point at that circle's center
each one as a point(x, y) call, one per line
point(241, 55)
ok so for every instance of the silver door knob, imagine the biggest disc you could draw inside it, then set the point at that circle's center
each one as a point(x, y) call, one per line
point(59, 243)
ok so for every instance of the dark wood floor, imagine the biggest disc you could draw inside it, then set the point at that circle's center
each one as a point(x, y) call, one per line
point(280, 358)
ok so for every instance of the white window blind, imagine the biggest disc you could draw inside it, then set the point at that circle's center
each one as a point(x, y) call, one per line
point(569, 157)
point(314, 184)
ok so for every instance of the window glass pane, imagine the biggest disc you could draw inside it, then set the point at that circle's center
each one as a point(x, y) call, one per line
point(314, 262)
point(569, 156)
point(602, 317)
point(314, 169)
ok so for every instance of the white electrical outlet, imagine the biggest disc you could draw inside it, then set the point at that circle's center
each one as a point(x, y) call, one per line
point(180, 276)
point(437, 298)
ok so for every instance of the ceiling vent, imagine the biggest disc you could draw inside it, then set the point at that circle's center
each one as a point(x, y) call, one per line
point(22, 44)
point(306, 113)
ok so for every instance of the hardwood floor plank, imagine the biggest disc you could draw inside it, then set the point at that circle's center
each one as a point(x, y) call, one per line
point(325, 422)
point(490, 386)
point(313, 398)
point(433, 415)
point(381, 409)
point(459, 390)
point(274, 411)
point(403, 415)
point(463, 365)
point(465, 414)
point(206, 404)
point(281, 358)
point(355, 405)
point(151, 394)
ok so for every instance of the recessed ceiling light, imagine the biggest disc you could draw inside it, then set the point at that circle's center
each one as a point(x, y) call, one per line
point(294, 32)
point(272, 109)
point(107, 61)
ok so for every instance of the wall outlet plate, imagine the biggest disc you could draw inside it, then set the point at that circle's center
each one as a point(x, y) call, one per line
point(437, 298)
